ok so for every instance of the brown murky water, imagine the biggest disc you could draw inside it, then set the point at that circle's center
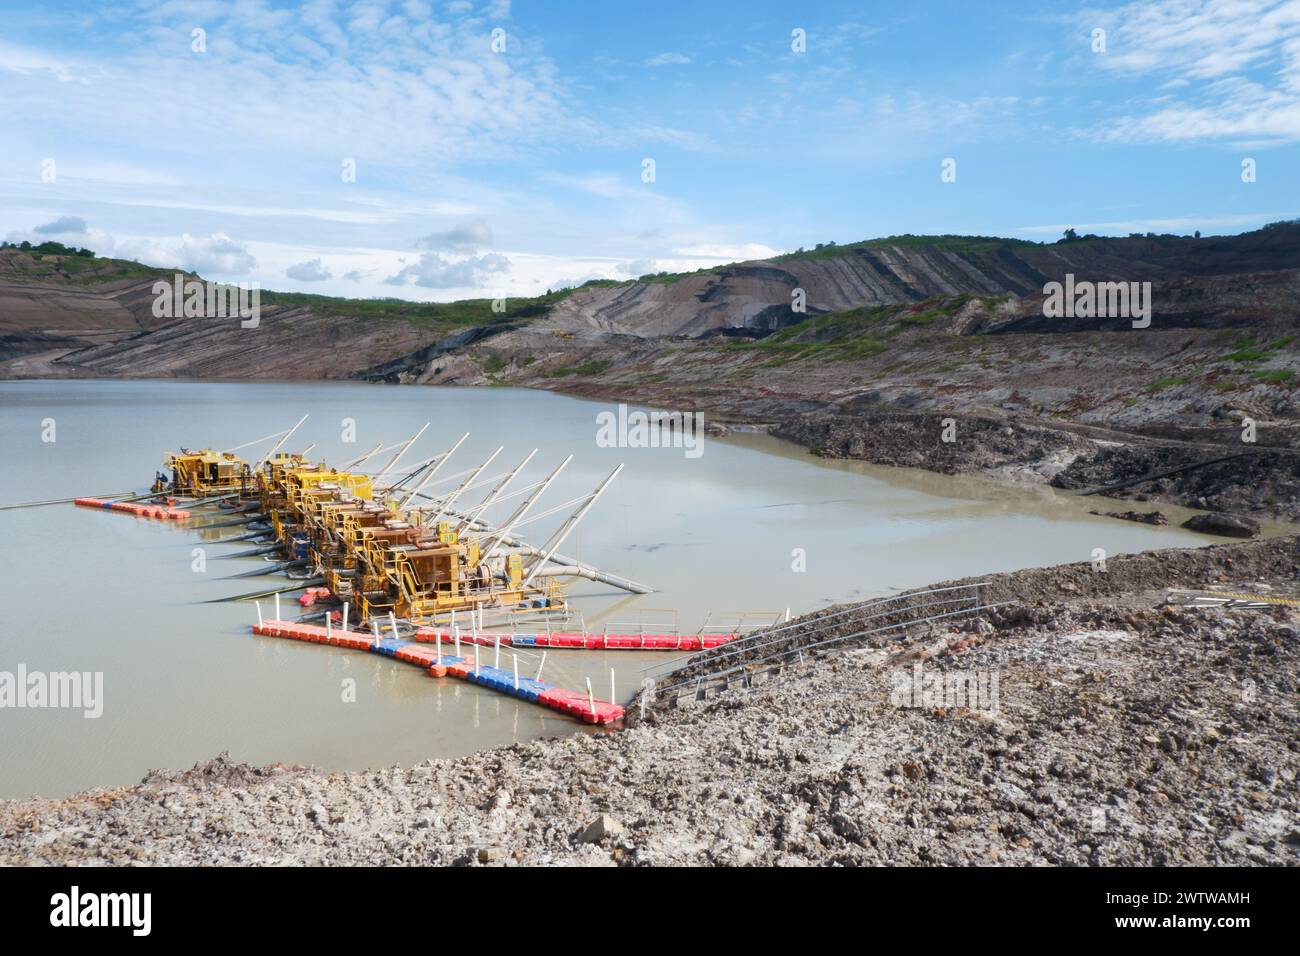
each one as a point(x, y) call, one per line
point(183, 680)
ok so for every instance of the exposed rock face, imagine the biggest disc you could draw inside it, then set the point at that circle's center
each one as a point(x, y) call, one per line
point(1142, 517)
point(1260, 481)
point(289, 343)
point(758, 294)
point(1230, 526)
point(932, 441)
point(64, 316)
point(1221, 282)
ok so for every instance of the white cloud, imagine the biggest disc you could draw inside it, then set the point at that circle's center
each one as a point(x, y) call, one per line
point(309, 271)
point(727, 252)
point(667, 59)
point(432, 271)
point(400, 88)
point(638, 267)
point(62, 226)
point(610, 186)
point(69, 230)
point(1204, 39)
point(28, 62)
point(1235, 64)
point(466, 237)
point(217, 254)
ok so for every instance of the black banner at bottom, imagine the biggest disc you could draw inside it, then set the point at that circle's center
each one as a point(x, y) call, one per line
point(337, 904)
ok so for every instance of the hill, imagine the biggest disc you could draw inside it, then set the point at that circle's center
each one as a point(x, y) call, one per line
point(896, 335)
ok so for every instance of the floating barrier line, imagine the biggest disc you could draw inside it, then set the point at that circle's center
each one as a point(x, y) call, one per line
point(53, 501)
point(463, 667)
point(140, 511)
point(581, 641)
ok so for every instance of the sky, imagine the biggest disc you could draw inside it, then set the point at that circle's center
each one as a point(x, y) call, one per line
point(444, 150)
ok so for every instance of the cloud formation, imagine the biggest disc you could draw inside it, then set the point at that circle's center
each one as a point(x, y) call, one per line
point(668, 59)
point(62, 226)
point(217, 254)
point(309, 271)
point(69, 230)
point(403, 83)
point(466, 237)
point(435, 272)
point(1235, 65)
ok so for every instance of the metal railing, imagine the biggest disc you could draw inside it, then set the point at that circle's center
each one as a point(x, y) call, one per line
point(645, 622)
point(904, 604)
point(736, 622)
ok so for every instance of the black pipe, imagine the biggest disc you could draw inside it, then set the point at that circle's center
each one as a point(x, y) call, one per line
point(298, 586)
point(241, 537)
point(1162, 474)
point(232, 524)
point(253, 552)
point(270, 569)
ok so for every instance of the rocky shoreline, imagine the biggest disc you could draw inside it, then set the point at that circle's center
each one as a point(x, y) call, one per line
point(1249, 481)
point(1252, 482)
point(1124, 732)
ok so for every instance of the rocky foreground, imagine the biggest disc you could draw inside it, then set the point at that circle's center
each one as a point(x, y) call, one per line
point(1121, 732)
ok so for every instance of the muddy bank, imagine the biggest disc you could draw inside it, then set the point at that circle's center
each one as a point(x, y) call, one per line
point(1122, 733)
point(949, 444)
point(1258, 481)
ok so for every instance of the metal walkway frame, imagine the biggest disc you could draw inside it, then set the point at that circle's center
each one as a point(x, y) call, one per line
point(968, 595)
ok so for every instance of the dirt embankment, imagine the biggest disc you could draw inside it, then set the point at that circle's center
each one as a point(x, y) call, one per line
point(1261, 481)
point(948, 444)
point(1119, 733)
point(1252, 480)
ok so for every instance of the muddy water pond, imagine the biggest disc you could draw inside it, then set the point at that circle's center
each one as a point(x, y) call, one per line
point(751, 525)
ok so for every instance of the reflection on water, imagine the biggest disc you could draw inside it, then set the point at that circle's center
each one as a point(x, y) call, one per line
point(184, 680)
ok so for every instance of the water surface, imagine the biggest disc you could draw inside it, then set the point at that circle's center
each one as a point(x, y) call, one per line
point(718, 534)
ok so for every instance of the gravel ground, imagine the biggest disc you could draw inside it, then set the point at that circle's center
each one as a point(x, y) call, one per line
point(1121, 732)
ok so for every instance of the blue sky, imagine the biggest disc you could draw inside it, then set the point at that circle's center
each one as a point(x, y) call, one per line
point(506, 172)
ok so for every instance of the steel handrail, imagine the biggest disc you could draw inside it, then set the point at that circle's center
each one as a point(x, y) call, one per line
point(731, 648)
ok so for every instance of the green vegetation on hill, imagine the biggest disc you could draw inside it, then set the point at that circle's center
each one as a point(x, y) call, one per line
point(1248, 350)
point(855, 334)
point(48, 248)
point(831, 250)
point(53, 261)
point(25, 262)
point(668, 278)
point(462, 312)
